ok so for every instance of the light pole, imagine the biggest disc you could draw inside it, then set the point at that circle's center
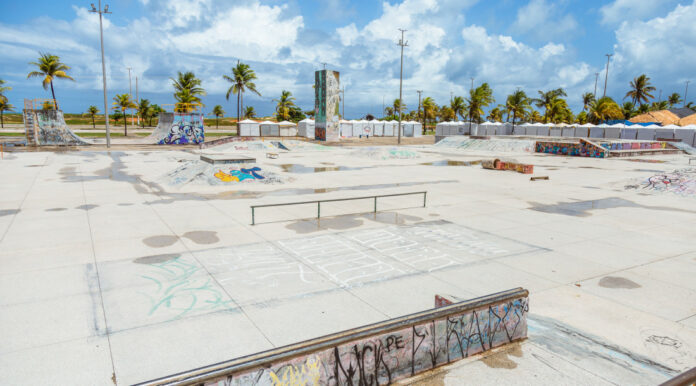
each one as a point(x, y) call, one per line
point(419, 107)
point(403, 44)
point(606, 76)
point(596, 77)
point(101, 37)
point(686, 91)
point(343, 99)
point(137, 98)
point(130, 90)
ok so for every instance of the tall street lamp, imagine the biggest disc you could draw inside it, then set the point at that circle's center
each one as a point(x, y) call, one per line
point(606, 76)
point(101, 12)
point(403, 44)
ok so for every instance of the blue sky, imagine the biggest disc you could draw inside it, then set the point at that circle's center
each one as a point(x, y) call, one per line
point(530, 44)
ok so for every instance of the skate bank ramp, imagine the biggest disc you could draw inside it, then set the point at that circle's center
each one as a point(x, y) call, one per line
point(177, 129)
point(47, 127)
point(379, 353)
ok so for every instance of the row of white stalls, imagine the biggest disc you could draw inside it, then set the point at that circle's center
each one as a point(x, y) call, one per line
point(249, 128)
point(687, 134)
point(364, 128)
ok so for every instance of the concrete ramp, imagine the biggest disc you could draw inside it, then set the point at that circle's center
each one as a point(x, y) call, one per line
point(177, 129)
point(47, 127)
point(379, 353)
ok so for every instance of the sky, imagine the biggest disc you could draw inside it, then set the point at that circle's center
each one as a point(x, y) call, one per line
point(528, 44)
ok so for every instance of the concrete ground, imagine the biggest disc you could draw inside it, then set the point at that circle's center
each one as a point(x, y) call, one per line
point(113, 272)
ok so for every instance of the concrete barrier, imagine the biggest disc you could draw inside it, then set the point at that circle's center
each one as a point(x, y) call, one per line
point(379, 353)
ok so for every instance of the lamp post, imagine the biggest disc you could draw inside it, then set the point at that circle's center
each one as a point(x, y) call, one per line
point(403, 44)
point(101, 12)
point(686, 91)
point(606, 76)
point(596, 77)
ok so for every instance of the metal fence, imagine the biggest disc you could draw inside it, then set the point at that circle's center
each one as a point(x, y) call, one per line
point(319, 202)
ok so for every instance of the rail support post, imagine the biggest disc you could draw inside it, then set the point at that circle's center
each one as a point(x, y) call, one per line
point(253, 222)
point(375, 204)
point(424, 194)
point(318, 209)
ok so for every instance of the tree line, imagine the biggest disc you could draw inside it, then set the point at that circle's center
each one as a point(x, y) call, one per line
point(548, 107)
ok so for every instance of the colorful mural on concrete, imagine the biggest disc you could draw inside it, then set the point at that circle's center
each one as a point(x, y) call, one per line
point(582, 148)
point(326, 104)
point(634, 145)
point(397, 354)
point(240, 175)
point(186, 128)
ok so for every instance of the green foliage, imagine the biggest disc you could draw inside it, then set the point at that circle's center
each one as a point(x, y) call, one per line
point(284, 105)
point(674, 99)
point(640, 90)
point(50, 68)
point(517, 104)
point(479, 98)
point(604, 109)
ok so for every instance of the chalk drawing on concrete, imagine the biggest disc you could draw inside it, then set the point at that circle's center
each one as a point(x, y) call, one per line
point(178, 291)
point(681, 182)
point(240, 175)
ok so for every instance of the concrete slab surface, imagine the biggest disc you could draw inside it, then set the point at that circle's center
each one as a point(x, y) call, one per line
point(113, 272)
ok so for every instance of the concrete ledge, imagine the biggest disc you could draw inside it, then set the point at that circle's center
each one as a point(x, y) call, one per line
point(379, 353)
point(227, 159)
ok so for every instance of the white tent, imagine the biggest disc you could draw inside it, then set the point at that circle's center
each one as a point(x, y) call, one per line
point(693, 128)
point(666, 132)
point(627, 132)
point(249, 128)
point(464, 128)
point(358, 128)
point(345, 128)
point(417, 129)
point(581, 131)
point(610, 131)
point(377, 128)
point(645, 133)
point(566, 130)
point(305, 128)
point(526, 129)
point(287, 129)
point(595, 131)
point(542, 129)
point(389, 128)
point(269, 129)
point(442, 128)
point(556, 131)
point(686, 134)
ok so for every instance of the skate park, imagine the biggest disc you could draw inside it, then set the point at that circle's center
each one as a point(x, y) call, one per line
point(147, 264)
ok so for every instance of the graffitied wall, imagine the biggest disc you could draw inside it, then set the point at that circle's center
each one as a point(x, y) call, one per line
point(186, 128)
point(634, 145)
point(52, 129)
point(326, 104)
point(577, 149)
point(397, 354)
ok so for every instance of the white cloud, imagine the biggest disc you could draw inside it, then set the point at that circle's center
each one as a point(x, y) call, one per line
point(544, 20)
point(622, 10)
point(663, 48)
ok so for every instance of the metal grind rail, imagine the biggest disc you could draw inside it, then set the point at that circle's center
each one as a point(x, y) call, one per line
point(404, 349)
point(318, 202)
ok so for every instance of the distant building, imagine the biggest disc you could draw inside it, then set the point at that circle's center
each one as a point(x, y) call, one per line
point(680, 116)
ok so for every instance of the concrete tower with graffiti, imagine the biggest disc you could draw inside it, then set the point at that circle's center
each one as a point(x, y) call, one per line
point(326, 103)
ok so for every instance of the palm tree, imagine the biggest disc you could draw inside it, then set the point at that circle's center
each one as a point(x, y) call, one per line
point(3, 89)
point(242, 80)
point(546, 99)
point(558, 111)
point(479, 98)
point(517, 103)
point(186, 90)
point(536, 117)
point(657, 106)
point(495, 115)
point(218, 112)
point(144, 109)
point(581, 118)
point(640, 90)
point(429, 109)
point(604, 109)
point(388, 111)
point(92, 111)
point(153, 112)
point(674, 99)
point(399, 107)
point(4, 106)
point(458, 106)
point(447, 113)
point(691, 106)
point(249, 112)
point(50, 68)
point(122, 102)
point(587, 98)
point(628, 110)
point(283, 105)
